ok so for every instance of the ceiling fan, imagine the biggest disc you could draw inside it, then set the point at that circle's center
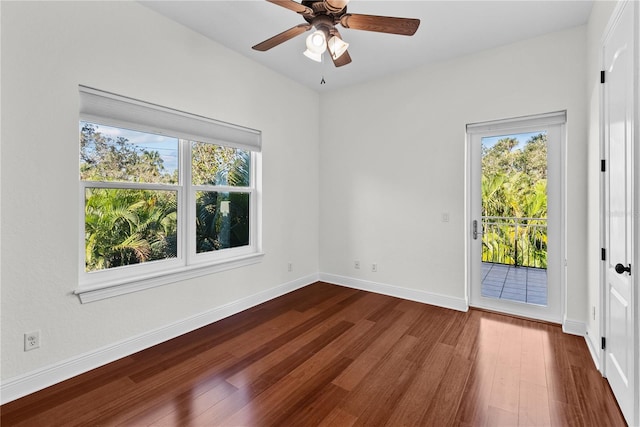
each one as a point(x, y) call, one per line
point(325, 15)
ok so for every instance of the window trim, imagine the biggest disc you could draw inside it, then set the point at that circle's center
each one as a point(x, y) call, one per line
point(159, 278)
point(100, 108)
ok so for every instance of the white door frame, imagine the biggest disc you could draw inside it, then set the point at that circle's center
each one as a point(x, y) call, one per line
point(557, 120)
point(633, 418)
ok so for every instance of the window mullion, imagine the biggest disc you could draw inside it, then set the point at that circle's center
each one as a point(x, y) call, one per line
point(188, 200)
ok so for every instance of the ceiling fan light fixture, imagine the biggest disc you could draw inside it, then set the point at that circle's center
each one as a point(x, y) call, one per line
point(312, 55)
point(337, 47)
point(317, 42)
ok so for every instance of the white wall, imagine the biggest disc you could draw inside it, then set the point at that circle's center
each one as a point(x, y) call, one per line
point(598, 20)
point(47, 50)
point(392, 160)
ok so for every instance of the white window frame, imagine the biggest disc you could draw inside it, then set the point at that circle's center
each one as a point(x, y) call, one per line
point(109, 109)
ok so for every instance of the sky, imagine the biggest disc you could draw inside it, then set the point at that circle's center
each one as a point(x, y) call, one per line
point(166, 146)
point(522, 138)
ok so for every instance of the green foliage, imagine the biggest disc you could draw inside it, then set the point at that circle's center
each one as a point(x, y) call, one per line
point(217, 229)
point(514, 185)
point(217, 165)
point(125, 227)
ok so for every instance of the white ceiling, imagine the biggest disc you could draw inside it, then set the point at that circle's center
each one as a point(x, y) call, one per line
point(448, 29)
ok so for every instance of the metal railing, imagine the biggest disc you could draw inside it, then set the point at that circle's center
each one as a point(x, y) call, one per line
point(514, 241)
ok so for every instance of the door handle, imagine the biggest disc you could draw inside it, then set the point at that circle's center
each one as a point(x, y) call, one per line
point(475, 229)
point(621, 268)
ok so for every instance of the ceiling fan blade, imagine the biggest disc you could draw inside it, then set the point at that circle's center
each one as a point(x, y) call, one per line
point(381, 24)
point(282, 37)
point(293, 5)
point(335, 5)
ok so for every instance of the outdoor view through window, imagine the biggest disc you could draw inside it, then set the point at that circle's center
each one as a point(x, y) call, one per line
point(135, 200)
point(514, 217)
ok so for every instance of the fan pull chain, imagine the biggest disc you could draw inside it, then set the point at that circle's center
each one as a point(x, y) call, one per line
point(322, 81)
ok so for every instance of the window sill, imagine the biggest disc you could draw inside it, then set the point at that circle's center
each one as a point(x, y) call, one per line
point(108, 290)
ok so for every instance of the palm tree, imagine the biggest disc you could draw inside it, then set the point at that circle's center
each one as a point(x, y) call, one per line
point(514, 186)
point(125, 227)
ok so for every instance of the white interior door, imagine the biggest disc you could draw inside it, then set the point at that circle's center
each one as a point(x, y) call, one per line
point(618, 128)
point(553, 125)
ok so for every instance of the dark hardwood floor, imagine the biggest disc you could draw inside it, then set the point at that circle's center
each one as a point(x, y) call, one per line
point(331, 356)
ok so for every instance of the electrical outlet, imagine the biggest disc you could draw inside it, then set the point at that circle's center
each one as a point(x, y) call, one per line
point(374, 267)
point(31, 340)
point(356, 265)
point(290, 266)
point(445, 217)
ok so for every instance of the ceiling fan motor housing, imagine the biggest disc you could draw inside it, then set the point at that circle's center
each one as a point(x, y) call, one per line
point(326, 6)
point(324, 18)
point(322, 23)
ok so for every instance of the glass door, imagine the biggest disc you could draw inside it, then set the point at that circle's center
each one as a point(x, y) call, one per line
point(515, 208)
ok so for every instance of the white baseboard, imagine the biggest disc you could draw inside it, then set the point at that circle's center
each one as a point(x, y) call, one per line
point(574, 327)
point(410, 294)
point(594, 350)
point(31, 382)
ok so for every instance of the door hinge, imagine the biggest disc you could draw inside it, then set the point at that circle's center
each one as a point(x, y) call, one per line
point(603, 342)
point(603, 165)
point(603, 254)
point(602, 76)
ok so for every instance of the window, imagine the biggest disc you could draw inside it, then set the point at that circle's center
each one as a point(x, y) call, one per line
point(165, 195)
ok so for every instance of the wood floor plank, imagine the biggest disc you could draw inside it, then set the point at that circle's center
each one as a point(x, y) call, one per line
point(314, 410)
point(391, 375)
point(173, 381)
point(444, 406)
point(532, 366)
point(533, 405)
point(589, 383)
point(338, 417)
point(506, 383)
point(288, 399)
point(287, 350)
point(474, 407)
point(560, 382)
point(434, 321)
point(292, 382)
point(363, 345)
point(367, 305)
point(451, 334)
point(467, 345)
point(419, 394)
point(243, 344)
point(333, 356)
point(263, 382)
point(182, 409)
point(74, 388)
point(563, 414)
point(500, 418)
point(199, 392)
